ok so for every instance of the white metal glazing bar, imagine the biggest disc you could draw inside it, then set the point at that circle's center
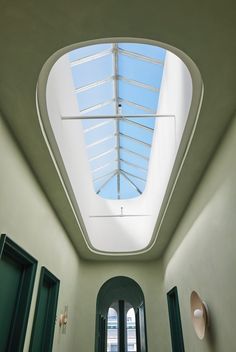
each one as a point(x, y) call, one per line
point(103, 176)
point(132, 175)
point(131, 182)
point(105, 183)
point(100, 141)
point(138, 106)
point(135, 140)
point(134, 153)
point(119, 78)
point(140, 56)
point(133, 165)
point(116, 97)
point(97, 106)
point(93, 85)
point(138, 84)
point(102, 154)
point(94, 117)
point(91, 57)
point(98, 125)
point(101, 167)
point(134, 123)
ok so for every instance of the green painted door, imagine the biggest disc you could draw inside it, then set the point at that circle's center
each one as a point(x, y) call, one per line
point(10, 278)
point(40, 324)
point(45, 313)
point(175, 321)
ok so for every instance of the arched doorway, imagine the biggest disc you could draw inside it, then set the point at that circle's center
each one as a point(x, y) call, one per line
point(120, 317)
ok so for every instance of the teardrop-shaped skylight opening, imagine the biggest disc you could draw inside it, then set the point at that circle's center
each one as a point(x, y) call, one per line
point(118, 117)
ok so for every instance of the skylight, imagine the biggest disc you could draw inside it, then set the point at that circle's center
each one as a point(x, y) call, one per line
point(117, 89)
point(118, 117)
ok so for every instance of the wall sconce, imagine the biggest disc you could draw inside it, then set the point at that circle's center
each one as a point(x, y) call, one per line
point(63, 319)
point(199, 314)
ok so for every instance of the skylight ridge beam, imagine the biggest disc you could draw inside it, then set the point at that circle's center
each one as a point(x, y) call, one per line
point(139, 84)
point(131, 182)
point(91, 57)
point(138, 106)
point(116, 97)
point(140, 56)
point(135, 140)
point(132, 175)
point(93, 85)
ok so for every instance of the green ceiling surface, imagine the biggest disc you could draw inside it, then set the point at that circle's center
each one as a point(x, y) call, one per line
point(30, 32)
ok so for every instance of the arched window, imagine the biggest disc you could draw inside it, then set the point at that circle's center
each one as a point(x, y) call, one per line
point(122, 327)
point(120, 321)
point(112, 329)
point(131, 329)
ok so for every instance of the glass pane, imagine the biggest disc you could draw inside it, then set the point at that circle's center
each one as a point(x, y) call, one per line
point(131, 110)
point(125, 155)
point(110, 190)
point(102, 111)
point(94, 96)
point(112, 331)
point(136, 132)
point(140, 184)
point(145, 49)
point(102, 159)
point(126, 189)
point(134, 171)
point(90, 123)
point(142, 71)
point(87, 51)
point(92, 71)
point(101, 148)
point(145, 121)
point(99, 133)
point(135, 147)
point(131, 331)
point(100, 182)
point(139, 95)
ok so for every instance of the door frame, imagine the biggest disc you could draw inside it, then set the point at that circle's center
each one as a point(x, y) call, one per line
point(28, 264)
point(175, 321)
point(53, 283)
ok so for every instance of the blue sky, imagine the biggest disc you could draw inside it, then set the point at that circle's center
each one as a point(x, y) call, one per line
point(129, 68)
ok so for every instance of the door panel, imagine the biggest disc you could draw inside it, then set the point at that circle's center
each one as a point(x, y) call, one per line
point(45, 313)
point(175, 321)
point(10, 276)
point(17, 273)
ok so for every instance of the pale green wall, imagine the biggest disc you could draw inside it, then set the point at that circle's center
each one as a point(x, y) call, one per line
point(202, 256)
point(27, 218)
point(148, 276)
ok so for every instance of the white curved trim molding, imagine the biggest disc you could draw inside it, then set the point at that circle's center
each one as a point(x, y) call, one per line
point(105, 230)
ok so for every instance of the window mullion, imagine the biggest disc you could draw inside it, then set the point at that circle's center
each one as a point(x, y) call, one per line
point(122, 340)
